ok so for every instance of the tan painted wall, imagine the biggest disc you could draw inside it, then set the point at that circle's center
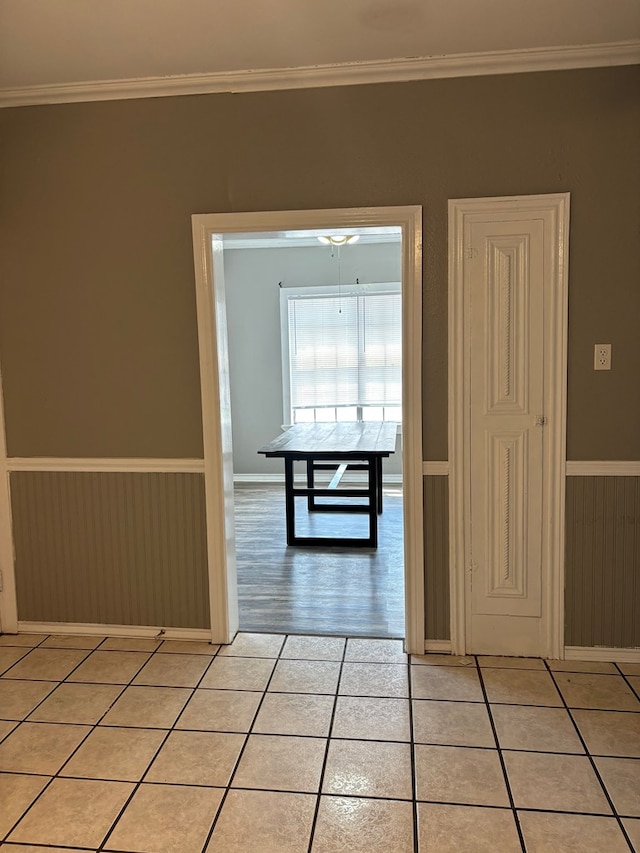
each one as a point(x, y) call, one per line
point(98, 343)
point(97, 312)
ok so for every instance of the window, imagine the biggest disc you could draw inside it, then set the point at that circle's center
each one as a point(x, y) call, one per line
point(342, 354)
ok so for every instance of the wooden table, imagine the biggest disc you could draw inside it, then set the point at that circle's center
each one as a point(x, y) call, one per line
point(338, 447)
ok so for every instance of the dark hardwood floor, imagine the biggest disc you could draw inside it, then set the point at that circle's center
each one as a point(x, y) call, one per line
point(356, 592)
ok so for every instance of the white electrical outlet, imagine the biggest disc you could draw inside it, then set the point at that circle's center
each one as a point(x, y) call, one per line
point(602, 357)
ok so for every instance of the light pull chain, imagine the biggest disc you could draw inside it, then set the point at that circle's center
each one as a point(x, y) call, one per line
point(339, 284)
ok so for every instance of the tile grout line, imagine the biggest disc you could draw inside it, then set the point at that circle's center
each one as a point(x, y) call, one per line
point(73, 752)
point(27, 652)
point(247, 735)
point(139, 783)
point(91, 727)
point(412, 744)
point(614, 811)
point(316, 810)
point(625, 678)
point(503, 765)
point(329, 738)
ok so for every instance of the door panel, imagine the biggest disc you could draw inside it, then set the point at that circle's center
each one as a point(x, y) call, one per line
point(508, 289)
point(506, 355)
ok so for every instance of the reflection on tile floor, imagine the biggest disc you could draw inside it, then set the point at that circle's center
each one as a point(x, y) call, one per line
point(290, 744)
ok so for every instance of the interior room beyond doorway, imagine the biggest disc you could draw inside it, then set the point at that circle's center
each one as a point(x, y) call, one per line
point(354, 591)
point(317, 590)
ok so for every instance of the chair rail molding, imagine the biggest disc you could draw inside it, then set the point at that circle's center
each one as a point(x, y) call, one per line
point(604, 468)
point(435, 469)
point(106, 465)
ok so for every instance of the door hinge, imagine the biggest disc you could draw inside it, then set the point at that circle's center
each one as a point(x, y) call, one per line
point(470, 253)
point(1, 581)
point(541, 420)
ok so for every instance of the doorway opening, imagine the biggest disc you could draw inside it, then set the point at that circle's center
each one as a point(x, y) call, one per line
point(214, 237)
point(314, 326)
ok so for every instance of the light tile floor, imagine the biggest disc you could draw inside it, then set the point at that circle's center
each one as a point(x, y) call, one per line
point(290, 744)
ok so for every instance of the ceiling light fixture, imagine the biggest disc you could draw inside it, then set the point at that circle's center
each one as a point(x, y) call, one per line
point(339, 239)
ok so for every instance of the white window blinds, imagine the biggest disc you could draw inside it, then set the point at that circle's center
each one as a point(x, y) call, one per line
point(345, 351)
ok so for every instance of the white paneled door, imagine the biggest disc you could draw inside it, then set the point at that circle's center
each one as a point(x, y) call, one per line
point(512, 419)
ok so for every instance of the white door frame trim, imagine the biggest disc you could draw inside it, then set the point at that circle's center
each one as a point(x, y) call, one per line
point(207, 227)
point(557, 207)
point(8, 599)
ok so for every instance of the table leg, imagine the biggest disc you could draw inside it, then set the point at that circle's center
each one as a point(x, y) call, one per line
point(310, 482)
point(290, 506)
point(373, 503)
point(379, 473)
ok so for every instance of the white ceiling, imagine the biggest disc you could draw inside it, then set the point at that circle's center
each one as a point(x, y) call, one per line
point(91, 49)
point(309, 238)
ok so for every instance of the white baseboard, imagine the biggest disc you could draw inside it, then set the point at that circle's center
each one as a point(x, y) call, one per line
point(602, 653)
point(443, 646)
point(593, 653)
point(82, 629)
point(258, 479)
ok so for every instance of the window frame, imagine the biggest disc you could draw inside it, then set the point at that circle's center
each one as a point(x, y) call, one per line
point(286, 291)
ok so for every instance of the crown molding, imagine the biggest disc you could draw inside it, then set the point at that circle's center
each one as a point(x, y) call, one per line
point(338, 74)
